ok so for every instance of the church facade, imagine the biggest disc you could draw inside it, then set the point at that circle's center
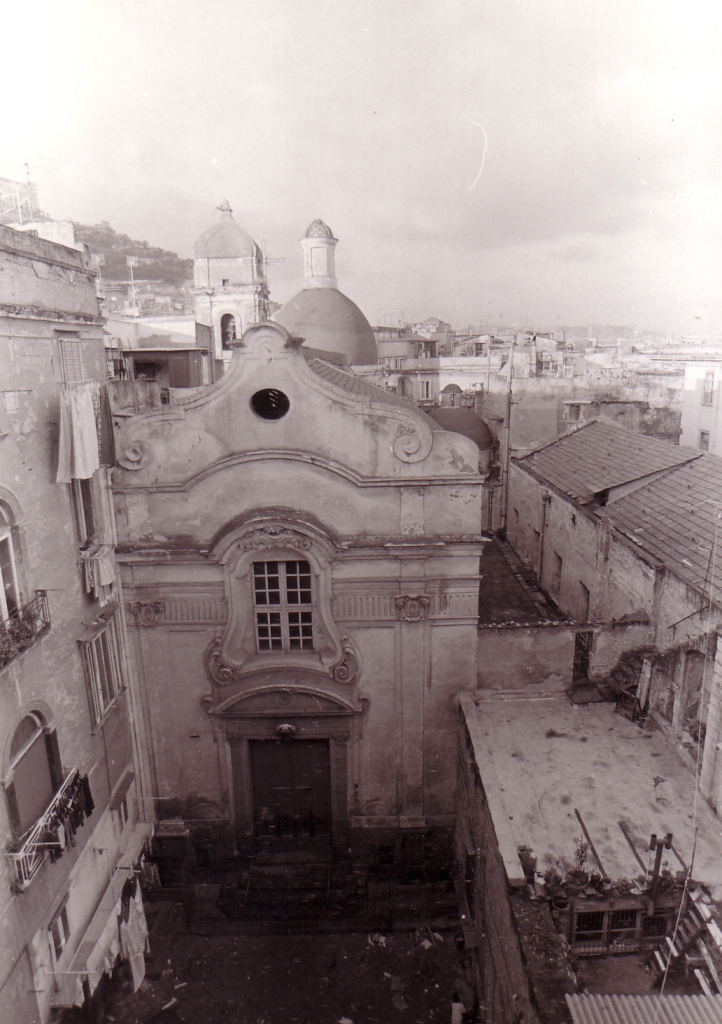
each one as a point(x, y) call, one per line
point(300, 558)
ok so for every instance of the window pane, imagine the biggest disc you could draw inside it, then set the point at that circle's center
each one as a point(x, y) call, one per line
point(266, 583)
point(300, 631)
point(298, 582)
point(268, 626)
point(105, 670)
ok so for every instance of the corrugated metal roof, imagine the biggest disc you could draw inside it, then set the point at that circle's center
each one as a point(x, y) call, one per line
point(649, 1009)
point(673, 519)
point(601, 455)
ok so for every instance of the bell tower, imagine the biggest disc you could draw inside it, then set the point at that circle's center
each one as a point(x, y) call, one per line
point(230, 291)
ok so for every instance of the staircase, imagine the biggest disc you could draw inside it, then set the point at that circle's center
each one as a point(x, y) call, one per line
point(690, 949)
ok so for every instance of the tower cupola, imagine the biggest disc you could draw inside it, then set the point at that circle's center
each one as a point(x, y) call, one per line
point(319, 265)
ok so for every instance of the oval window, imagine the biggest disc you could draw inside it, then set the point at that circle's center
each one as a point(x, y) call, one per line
point(270, 403)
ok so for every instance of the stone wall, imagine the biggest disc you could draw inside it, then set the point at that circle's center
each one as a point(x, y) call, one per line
point(519, 966)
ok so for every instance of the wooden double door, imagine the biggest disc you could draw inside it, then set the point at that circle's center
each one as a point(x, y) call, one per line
point(291, 787)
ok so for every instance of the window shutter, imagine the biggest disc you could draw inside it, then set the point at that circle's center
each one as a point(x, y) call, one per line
point(56, 768)
point(13, 810)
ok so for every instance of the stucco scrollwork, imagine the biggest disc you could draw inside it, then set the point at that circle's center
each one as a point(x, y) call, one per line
point(137, 454)
point(412, 608)
point(347, 668)
point(147, 612)
point(270, 536)
point(216, 668)
point(410, 445)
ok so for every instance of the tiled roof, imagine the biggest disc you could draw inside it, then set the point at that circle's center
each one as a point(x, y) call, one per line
point(649, 1009)
point(358, 386)
point(601, 455)
point(675, 517)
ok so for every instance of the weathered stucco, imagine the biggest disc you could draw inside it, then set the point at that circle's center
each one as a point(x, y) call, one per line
point(387, 512)
point(47, 294)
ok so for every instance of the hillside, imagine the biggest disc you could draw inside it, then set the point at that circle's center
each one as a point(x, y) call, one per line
point(153, 263)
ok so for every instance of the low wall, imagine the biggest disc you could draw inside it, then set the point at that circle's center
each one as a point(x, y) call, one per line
point(612, 640)
point(516, 657)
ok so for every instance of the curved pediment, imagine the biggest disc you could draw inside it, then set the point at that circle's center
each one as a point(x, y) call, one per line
point(284, 702)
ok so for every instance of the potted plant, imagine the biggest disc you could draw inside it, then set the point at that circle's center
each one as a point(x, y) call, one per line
point(21, 630)
point(8, 645)
point(577, 878)
point(553, 879)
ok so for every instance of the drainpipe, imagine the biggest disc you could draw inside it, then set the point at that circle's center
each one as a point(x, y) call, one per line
point(546, 502)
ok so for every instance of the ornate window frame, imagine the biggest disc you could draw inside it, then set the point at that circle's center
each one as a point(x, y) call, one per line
point(277, 538)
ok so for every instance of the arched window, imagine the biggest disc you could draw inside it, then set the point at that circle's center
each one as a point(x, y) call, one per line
point(34, 773)
point(9, 596)
point(228, 330)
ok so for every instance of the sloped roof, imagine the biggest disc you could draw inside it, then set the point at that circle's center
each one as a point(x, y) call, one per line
point(674, 519)
point(649, 1009)
point(600, 455)
point(464, 421)
point(358, 386)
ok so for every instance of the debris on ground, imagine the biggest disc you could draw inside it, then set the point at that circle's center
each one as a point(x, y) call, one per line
point(301, 979)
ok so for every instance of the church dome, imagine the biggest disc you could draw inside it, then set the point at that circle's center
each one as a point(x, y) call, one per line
point(225, 239)
point(326, 319)
point(317, 229)
point(464, 421)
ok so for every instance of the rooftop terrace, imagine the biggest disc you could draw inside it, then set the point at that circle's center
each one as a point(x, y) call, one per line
point(541, 760)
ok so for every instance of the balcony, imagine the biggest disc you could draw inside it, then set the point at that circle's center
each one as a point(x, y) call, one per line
point(24, 627)
point(25, 862)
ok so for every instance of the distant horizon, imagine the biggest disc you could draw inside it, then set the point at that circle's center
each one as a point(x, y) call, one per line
point(502, 161)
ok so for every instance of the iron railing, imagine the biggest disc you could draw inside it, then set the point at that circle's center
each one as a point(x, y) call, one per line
point(24, 627)
point(25, 861)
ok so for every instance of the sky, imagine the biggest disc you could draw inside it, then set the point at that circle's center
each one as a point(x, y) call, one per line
point(537, 162)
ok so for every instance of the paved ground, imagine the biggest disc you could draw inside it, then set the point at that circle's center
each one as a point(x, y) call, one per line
point(297, 979)
point(509, 591)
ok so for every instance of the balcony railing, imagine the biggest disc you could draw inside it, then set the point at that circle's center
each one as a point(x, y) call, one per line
point(24, 627)
point(26, 860)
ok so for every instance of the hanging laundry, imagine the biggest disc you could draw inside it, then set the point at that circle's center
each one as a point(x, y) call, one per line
point(78, 438)
point(89, 803)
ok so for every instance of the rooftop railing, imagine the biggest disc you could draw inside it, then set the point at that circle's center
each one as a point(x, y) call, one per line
point(24, 627)
point(32, 849)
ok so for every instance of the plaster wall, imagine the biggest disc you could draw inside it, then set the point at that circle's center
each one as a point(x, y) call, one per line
point(48, 677)
point(536, 659)
point(40, 274)
point(391, 513)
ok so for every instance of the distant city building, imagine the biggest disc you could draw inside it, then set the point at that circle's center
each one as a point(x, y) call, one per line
point(701, 406)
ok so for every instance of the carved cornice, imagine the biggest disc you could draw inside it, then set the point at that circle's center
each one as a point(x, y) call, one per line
point(178, 609)
point(270, 535)
point(216, 668)
point(347, 669)
point(349, 607)
point(412, 608)
point(412, 444)
point(285, 702)
point(136, 454)
point(147, 612)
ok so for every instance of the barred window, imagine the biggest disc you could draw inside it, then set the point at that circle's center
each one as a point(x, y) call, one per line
point(71, 357)
point(102, 661)
point(282, 599)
